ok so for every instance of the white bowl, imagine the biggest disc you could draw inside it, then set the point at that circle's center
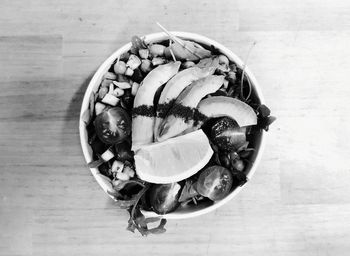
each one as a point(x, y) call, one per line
point(105, 182)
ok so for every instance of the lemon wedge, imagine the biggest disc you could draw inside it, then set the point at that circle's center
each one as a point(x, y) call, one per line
point(173, 160)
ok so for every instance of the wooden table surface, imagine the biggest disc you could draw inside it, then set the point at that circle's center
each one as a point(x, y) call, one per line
point(297, 203)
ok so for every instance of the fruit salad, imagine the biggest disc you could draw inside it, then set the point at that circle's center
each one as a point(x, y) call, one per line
point(173, 126)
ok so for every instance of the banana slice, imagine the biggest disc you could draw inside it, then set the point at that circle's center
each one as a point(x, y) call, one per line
point(143, 109)
point(180, 116)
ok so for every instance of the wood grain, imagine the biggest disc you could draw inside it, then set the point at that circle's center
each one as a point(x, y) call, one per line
point(296, 204)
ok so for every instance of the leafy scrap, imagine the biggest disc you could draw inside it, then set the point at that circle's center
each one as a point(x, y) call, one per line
point(264, 118)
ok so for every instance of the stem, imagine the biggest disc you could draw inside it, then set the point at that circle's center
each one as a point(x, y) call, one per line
point(177, 40)
point(137, 199)
point(172, 54)
point(96, 163)
point(243, 73)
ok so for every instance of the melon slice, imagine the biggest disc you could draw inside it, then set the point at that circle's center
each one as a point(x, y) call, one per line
point(218, 106)
point(173, 160)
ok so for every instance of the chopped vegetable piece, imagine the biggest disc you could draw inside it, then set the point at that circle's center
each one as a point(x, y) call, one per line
point(110, 100)
point(146, 66)
point(122, 176)
point(223, 59)
point(107, 155)
point(122, 85)
point(111, 88)
point(106, 82)
point(225, 84)
point(158, 61)
point(157, 50)
point(134, 88)
point(144, 53)
point(118, 92)
point(110, 76)
point(129, 171)
point(117, 166)
point(99, 107)
point(102, 92)
point(133, 62)
point(129, 72)
point(119, 67)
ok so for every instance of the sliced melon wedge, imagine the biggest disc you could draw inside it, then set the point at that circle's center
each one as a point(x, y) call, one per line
point(218, 106)
point(173, 160)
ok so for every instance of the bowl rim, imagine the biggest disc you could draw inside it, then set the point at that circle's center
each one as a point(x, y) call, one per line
point(156, 37)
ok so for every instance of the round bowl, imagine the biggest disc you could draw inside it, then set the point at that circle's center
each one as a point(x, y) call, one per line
point(105, 182)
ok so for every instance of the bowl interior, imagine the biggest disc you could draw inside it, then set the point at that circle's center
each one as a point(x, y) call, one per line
point(92, 89)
